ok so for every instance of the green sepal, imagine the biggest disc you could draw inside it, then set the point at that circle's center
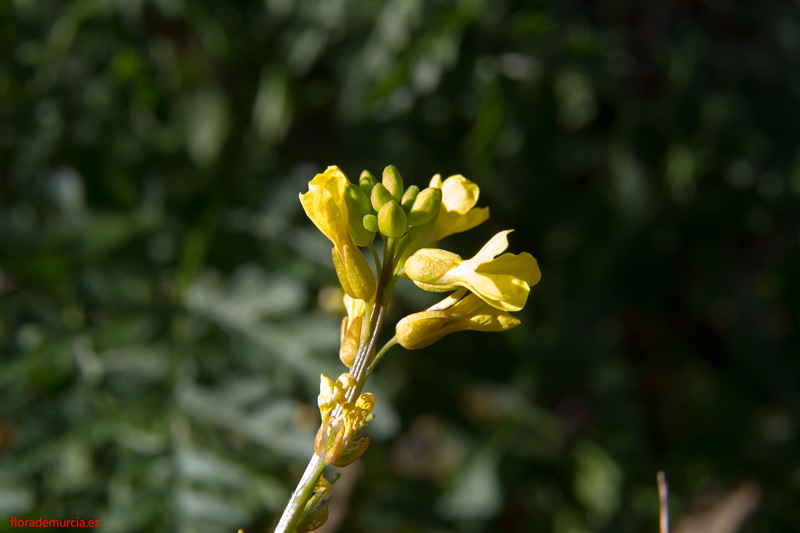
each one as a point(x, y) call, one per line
point(359, 274)
point(426, 206)
point(408, 198)
point(380, 196)
point(392, 220)
point(393, 182)
point(370, 222)
point(366, 183)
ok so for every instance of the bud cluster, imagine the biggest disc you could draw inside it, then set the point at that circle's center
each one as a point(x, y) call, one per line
point(388, 208)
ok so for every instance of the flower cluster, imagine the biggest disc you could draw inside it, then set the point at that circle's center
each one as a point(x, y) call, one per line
point(410, 222)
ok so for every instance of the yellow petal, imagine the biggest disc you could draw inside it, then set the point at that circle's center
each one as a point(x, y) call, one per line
point(366, 401)
point(459, 194)
point(503, 291)
point(327, 394)
point(523, 266)
point(354, 307)
point(493, 248)
point(324, 205)
point(456, 214)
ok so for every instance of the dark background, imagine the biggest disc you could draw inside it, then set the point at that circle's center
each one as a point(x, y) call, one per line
point(166, 308)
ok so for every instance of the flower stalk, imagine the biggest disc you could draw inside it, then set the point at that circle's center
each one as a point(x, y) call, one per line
point(410, 222)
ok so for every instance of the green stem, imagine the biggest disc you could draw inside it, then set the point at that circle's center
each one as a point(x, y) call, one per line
point(301, 495)
point(360, 371)
point(380, 354)
point(375, 257)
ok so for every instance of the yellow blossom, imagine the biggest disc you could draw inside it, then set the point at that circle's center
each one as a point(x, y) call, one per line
point(325, 205)
point(332, 394)
point(503, 282)
point(334, 437)
point(457, 212)
point(451, 315)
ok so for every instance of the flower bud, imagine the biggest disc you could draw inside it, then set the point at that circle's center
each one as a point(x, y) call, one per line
point(426, 206)
point(357, 206)
point(420, 329)
point(430, 264)
point(370, 223)
point(356, 200)
point(469, 313)
point(367, 182)
point(409, 197)
point(393, 182)
point(380, 196)
point(392, 220)
point(354, 273)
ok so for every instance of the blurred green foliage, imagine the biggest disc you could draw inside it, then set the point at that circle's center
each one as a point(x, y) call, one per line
point(163, 301)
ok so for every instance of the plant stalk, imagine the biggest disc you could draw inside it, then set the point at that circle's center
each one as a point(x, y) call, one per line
point(360, 370)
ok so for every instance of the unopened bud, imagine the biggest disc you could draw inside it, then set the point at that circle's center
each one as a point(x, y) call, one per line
point(370, 223)
point(354, 273)
point(430, 264)
point(426, 206)
point(392, 220)
point(356, 200)
point(409, 197)
point(367, 182)
point(380, 196)
point(420, 329)
point(393, 182)
point(357, 206)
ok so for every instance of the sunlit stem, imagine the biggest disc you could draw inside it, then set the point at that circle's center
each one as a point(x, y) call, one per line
point(360, 370)
point(380, 354)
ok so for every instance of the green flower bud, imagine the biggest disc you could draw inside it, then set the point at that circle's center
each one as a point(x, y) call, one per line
point(370, 223)
point(357, 206)
point(393, 182)
point(409, 197)
point(392, 219)
point(367, 182)
point(380, 195)
point(426, 206)
point(361, 236)
point(357, 201)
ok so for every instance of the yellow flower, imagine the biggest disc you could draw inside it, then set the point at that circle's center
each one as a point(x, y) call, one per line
point(457, 212)
point(334, 437)
point(451, 315)
point(325, 205)
point(351, 329)
point(355, 415)
point(503, 282)
point(332, 394)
